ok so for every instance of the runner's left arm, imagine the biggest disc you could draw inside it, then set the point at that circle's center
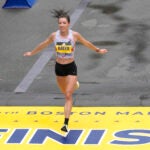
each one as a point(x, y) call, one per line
point(88, 44)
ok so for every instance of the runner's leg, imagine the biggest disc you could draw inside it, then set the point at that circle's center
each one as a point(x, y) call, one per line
point(66, 85)
point(70, 83)
point(61, 81)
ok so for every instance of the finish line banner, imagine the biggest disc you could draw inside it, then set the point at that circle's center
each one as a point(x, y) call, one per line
point(92, 128)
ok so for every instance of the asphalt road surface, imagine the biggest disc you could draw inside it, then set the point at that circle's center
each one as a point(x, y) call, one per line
point(119, 78)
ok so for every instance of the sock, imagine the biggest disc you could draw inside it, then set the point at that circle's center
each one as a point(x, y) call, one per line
point(66, 121)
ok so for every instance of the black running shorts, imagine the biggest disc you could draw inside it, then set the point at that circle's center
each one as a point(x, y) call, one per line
point(66, 69)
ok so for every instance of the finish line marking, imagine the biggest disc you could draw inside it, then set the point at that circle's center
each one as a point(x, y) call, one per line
point(92, 128)
point(47, 54)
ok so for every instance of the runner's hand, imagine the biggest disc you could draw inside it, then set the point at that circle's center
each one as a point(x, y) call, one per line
point(27, 54)
point(101, 51)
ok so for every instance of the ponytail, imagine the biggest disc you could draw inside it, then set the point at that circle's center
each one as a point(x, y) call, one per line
point(60, 14)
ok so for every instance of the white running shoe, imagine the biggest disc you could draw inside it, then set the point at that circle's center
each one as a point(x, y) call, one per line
point(77, 85)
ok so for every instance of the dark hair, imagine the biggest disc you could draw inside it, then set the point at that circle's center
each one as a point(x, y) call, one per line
point(60, 14)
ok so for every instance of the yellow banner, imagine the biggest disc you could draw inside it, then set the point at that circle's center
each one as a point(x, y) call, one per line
point(90, 128)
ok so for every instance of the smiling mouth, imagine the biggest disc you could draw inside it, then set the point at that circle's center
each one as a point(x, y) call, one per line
point(62, 29)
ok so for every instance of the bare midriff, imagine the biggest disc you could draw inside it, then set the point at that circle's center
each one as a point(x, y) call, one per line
point(64, 60)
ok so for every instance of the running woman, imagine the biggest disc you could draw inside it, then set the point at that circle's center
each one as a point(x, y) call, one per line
point(64, 40)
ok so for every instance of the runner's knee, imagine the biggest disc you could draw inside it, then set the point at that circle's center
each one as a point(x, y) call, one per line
point(68, 95)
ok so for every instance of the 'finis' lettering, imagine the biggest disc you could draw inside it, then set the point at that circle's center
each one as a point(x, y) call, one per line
point(94, 137)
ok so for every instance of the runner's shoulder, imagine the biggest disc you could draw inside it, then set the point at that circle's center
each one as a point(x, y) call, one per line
point(52, 35)
point(76, 34)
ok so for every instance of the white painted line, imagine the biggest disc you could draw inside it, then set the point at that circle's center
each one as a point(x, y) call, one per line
point(78, 11)
point(34, 71)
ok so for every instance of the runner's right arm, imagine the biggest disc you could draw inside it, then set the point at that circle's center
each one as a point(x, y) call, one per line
point(41, 46)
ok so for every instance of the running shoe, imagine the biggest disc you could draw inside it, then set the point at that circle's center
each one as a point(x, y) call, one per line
point(77, 85)
point(64, 128)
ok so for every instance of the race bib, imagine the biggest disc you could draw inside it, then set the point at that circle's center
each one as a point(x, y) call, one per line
point(64, 48)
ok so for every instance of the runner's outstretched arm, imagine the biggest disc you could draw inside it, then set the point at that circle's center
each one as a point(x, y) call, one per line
point(88, 44)
point(41, 46)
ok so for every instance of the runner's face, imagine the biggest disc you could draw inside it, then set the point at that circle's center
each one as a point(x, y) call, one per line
point(63, 24)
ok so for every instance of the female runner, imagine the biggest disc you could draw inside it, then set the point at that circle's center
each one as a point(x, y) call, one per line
point(64, 40)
